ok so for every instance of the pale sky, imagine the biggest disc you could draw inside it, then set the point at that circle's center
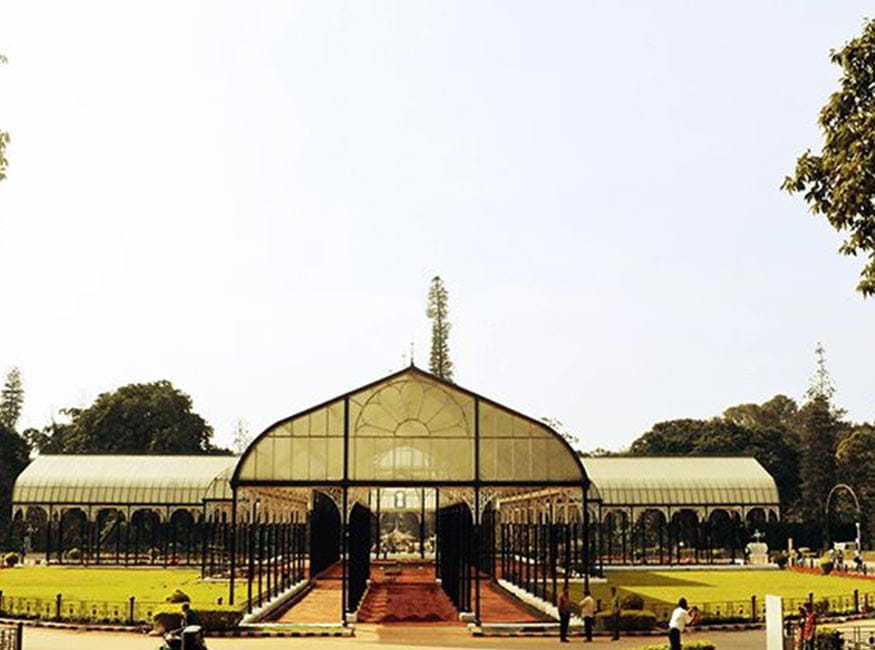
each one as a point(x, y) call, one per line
point(249, 199)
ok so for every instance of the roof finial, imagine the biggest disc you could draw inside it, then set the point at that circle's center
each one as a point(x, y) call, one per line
point(412, 362)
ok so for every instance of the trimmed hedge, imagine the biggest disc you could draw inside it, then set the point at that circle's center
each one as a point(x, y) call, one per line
point(827, 639)
point(632, 601)
point(10, 559)
point(214, 617)
point(688, 645)
point(826, 566)
point(630, 620)
point(178, 596)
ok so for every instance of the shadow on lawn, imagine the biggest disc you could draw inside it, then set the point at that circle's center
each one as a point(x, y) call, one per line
point(644, 579)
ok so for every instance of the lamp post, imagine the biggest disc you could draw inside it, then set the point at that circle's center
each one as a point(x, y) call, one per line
point(835, 487)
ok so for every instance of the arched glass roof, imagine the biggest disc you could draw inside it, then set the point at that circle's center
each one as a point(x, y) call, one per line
point(409, 428)
point(123, 480)
point(681, 481)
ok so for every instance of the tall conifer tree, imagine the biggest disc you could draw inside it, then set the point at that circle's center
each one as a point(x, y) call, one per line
point(439, 362)
point(11, 399)
point(819, 428)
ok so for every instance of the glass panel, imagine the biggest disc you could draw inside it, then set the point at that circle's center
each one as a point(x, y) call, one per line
point(411, 428)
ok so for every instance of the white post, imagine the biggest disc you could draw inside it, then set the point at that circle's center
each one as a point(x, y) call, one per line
point(774, 623)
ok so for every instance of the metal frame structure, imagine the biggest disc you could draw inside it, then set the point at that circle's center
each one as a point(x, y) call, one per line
point(128, 510)
point(412, 430)
point(511, 500)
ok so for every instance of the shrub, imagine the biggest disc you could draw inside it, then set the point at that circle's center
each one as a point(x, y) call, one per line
point(178, 596)
point(632, 601)
point(166, 620)
point(827, 639)
point(822, 607)
point(826, 565)
point(712, 619)
point(688, 645)
point(74, 554)
point(214, 617)
point(10, 559)
point(630, 620)
point(781, 560)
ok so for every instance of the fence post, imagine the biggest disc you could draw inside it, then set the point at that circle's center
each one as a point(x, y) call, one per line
point(19, 636)
point(58, 607)
point(753, 609)
point(1, 601)
point(131, 601)
point(856, 601)
point(811, 598)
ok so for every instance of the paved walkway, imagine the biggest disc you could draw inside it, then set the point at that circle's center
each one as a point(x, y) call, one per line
point(322, 603)
point(395, 637)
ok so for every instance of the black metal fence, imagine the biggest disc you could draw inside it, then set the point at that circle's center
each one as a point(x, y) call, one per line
point(753, 609)
point(11, 637)
point(58, 608)
point(858, 638)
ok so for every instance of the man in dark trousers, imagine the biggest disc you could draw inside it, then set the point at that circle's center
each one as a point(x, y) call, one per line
point(680, 618)
point(565, 610)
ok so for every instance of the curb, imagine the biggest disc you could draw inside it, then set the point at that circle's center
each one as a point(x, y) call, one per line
point(141, 629)
point(348, 632)
point(85, 627)
point(520, 631)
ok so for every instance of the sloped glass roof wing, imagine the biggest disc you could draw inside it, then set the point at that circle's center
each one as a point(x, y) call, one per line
point(678, 481)
point(120, 480)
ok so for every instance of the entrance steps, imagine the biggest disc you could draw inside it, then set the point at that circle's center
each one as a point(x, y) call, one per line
point(407, 602)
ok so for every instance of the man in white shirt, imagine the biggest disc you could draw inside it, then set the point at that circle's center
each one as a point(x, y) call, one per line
point(587, 613)
point(680, 618)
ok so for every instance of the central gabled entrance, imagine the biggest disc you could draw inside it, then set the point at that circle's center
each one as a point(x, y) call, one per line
point(332, 467)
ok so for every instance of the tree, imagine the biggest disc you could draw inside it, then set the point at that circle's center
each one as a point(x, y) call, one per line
point(4, 139)
point(15, 455)
point(11, 399)
point(765, 431)
point(819, 433)
point(778, 412)
point(14, 450)
point(821, 383)
point(838, 183)
point(154, 418)
point(242, 437)
point(856, 467)
point(560, 428)
point(672, 438)
point(439, 361)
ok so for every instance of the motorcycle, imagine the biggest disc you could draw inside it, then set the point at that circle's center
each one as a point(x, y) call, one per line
point(190, 637)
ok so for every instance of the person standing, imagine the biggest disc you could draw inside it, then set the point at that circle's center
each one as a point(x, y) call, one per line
point(615, 614)
point(680, 618)
point(798, 637)
point(810, 628)
point(565, 610)
point(587, 613)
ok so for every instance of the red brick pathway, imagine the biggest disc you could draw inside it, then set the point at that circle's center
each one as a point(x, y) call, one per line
point(411, 596)
point(321, 604)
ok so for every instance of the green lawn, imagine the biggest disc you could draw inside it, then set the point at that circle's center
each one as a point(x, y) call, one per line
point(106, 584)
point(731, 591)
